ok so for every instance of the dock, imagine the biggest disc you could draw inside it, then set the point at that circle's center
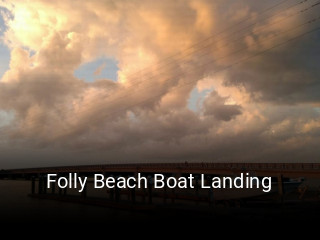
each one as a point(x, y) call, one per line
point(150, 198)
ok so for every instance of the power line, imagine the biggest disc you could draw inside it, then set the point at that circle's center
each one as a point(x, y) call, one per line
point(144, 89)
point(217, 36)
point(176, 76)
point(225, 68)
point(227, 43)
point(238, 38)
point(219, 33)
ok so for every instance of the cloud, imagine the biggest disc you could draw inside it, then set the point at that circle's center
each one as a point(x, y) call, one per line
point(262, 107)
point(216, 106)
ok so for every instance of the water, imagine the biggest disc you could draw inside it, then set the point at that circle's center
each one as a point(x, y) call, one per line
point(15, 205)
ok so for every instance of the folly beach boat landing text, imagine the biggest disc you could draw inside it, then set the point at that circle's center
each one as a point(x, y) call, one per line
point(244, 180)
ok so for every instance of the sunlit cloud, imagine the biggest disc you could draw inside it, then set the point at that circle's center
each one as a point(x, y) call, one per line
point(160, 80)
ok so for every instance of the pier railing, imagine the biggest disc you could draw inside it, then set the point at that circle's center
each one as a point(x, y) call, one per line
point(269, 169)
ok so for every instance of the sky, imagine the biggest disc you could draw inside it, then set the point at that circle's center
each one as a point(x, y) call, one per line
point(104, 81)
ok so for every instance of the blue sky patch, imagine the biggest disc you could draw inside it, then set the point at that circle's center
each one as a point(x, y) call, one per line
point(196, 98)
point(4, 50)
point(101, 68)
point(4, 59)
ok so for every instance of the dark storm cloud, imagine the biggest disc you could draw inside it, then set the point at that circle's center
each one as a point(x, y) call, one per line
point(290, 75)
point(216, 106)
